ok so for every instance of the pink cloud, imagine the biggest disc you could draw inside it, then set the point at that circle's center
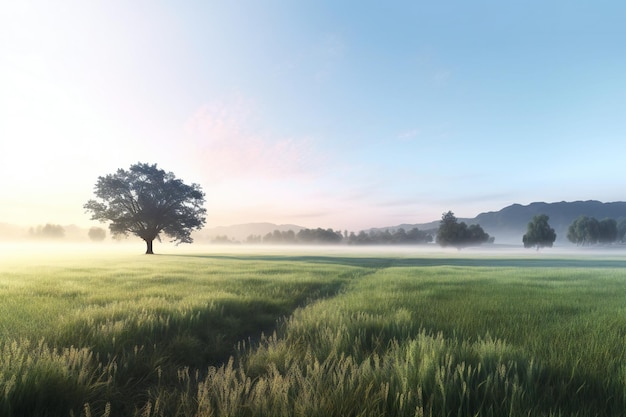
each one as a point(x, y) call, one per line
point(225, 138)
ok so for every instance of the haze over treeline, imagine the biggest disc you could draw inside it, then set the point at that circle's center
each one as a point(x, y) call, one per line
point(504, 226)
point(507, 225)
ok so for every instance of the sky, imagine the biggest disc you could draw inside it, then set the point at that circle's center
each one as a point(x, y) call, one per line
point(333, 114)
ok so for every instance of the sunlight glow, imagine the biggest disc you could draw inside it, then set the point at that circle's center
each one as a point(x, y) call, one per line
point(299, 114)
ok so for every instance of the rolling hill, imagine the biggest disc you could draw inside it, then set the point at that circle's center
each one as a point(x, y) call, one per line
point(508, 225)
point(512, 220)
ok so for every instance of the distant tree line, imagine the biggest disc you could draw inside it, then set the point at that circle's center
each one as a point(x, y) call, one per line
point(49, 231)
point(304, 236)
point(56, 232)
point(385, 237)
point(221, 239)
point(330, 236)
point(451, 232)
point(586, 231)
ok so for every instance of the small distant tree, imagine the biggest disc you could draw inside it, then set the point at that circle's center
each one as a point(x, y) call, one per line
point(147, 201)
point(459, 235)
point(539, 233)
point(97, 234)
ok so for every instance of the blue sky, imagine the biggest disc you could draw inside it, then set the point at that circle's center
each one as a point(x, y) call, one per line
point(347, 115)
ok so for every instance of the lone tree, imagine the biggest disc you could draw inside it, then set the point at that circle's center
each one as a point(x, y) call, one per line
point(146, 201)
point(539, 233)
point(459, 235)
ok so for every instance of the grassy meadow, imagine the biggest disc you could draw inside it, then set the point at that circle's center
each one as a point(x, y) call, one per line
point(312, 333)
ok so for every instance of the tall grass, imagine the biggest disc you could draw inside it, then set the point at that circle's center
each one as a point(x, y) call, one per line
point(253, 335)
point(138, 320)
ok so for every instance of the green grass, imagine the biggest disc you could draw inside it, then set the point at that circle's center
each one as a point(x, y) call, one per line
point(311, 334)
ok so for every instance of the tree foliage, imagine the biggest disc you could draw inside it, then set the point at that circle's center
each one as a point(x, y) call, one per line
point(539, 233)
point(608, 231)
point(459, 235)
point(319, 235)
point(146, 201)
point(97, 234)
point(621, 230)
point(589, 231)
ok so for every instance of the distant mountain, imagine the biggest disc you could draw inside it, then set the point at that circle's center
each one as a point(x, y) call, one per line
point(240, 232)
point(514, 219)
point(509, 224)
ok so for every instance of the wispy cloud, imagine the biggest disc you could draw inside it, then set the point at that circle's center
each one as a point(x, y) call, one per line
point(442, 77)
point(408, 135)
point(227, 138)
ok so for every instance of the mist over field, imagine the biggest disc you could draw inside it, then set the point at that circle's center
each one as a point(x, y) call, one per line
point(25, 252)
point(506, 226)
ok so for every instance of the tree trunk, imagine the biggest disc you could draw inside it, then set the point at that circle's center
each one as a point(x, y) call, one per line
point(149, 247)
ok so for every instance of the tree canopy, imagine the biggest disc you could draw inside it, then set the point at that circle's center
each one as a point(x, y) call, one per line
point(459, 235)
point(621, 230)
point(589, 231)
point(97, 234)
point(146, 201)
point(539, 233)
